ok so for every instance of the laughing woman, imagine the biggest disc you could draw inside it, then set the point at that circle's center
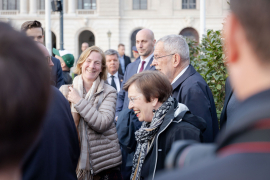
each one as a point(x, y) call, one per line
point(149, 96)
point(93, 109)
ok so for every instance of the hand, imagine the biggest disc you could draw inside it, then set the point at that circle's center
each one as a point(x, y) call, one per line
point(73, 95)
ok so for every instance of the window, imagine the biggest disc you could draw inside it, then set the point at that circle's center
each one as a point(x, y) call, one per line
point(139, 4)
point(10, 4)
point(87, 4)
point(188, 4)
point(190, 33)
point(41, 4)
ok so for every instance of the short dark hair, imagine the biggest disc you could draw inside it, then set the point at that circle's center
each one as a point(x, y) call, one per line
point(121, 45)
point(24, 94)
point(152, 84)
point(31, 24)
point(254, 16)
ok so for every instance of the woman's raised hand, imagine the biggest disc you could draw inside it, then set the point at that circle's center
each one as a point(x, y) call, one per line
point(73, 95)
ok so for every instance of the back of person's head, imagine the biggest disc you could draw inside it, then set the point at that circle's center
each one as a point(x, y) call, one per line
point(254, 16)
point(175, 44)
point(31, 24)
point(24, 94)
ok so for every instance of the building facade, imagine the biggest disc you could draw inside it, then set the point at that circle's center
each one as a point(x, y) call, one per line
point(106, 23)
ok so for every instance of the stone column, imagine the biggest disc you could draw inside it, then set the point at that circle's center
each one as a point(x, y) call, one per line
point(33, 7)
point(23, 6)
point(71, 6)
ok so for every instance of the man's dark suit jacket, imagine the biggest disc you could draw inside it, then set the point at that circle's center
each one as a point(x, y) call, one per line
point(55, 154)
point(127, 61)
point(192, 90)
point(122, 99)
point(56, 73)
point(120, 77)
point(228, 95)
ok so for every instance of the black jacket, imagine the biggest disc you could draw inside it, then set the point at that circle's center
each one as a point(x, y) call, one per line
point(55, 154)
point(242, 151)
point(127, 61)
point(192, 90)
point(67, 78)
point(56, 74)
point(184, 126)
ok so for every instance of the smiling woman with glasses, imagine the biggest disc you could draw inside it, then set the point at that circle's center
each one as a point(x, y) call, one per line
point(150, 98)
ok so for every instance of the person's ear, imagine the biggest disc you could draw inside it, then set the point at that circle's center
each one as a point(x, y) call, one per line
point(176, 59)
point(232, 30)
point(63, 65)
point(154, 101)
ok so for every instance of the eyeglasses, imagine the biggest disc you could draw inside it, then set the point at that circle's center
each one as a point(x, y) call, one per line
point(133, 98)
point(156, 58)
point(48, 59)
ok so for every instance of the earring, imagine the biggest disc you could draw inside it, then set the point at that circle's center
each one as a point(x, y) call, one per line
point(154, 111)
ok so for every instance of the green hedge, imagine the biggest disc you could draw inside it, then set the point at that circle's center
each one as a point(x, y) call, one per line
point(208, 59)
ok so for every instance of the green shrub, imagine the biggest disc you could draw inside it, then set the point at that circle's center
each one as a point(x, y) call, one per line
point(208, 59)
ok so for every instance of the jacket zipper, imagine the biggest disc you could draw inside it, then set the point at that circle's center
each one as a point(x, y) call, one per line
point(157, 148)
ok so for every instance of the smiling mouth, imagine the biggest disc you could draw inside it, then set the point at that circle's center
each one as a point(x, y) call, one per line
point(90, 71)
point(137, 113)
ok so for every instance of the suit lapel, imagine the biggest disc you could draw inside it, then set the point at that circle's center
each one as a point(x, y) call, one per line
point(189, 72)
point(135, 67)
point(148, 65)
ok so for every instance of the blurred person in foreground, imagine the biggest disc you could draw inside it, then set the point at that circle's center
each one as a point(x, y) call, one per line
point(243, 150)
point(164, 121)
point(34, 30)
point(112, 62)
point(55, 154)
point(93, 108)
point(67, 61)
point(171, 57)
point(123, 59)
point(22, 108)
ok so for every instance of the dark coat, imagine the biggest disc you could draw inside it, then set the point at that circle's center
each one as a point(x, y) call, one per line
point(120, 77)
point(55, 154)
point(67, 78)
point(228, 95)
point(127, 61)
point(122, 98)
point(184, 126)
point(56, 74)
point(249, 162)
point(192, 90)
point(127, 124)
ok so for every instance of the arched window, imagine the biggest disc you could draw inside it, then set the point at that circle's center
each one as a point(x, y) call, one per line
point(86, 36)
point(87, 4)
point(133, 40)
point(190, 33)
point(139, 4)
point(10, 4)
point(188, 4)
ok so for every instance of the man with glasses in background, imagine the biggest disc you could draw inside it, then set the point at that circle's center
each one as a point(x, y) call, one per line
point(34, 30)
point(171, 57)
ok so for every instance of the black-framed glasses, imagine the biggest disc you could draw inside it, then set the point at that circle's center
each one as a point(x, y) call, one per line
point(156, 58)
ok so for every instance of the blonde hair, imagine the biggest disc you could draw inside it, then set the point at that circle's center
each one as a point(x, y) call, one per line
point(84, 56)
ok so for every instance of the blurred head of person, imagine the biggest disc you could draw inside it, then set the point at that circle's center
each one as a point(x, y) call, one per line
point(91, 64)
point(171, 55)
point(135, 52)
point(145, 42)
point(112, 61)
point(121, 50)
point(247, 42)
point(85, 45)
point(65, 57)
point(34, 30)
point(145, 93)
point(24, 95)
point(45, 55)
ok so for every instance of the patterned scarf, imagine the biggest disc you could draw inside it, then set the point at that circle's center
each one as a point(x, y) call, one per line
point(145, 135)
point(84, 166)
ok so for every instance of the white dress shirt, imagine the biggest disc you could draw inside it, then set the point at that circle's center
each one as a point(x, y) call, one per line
point(146, 62)
point(116, 80)
point(180, 74)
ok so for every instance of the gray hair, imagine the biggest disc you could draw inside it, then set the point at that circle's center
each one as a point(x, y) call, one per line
point(175, 44)
point(111, 52)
